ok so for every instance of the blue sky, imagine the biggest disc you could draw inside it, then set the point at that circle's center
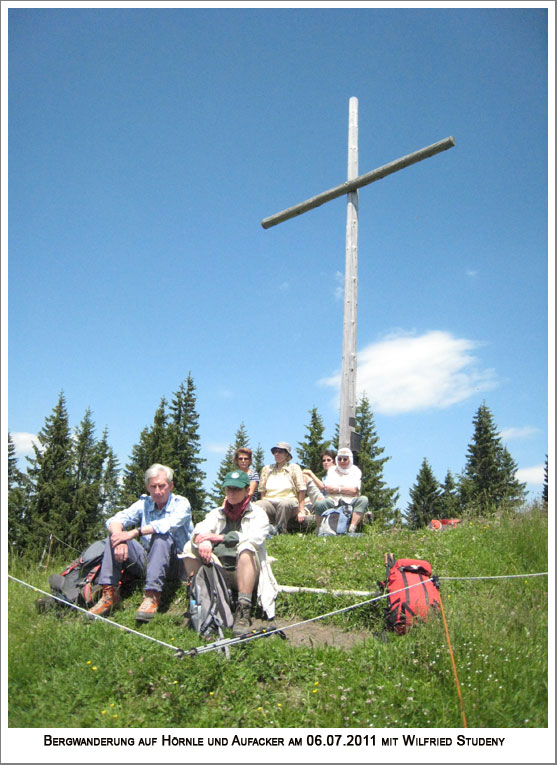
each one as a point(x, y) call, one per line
point(146, 146)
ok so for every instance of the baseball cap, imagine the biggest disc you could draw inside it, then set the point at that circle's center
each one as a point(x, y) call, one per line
point(236, 478)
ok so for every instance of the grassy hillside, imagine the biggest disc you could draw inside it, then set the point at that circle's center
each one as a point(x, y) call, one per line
point(65, 673)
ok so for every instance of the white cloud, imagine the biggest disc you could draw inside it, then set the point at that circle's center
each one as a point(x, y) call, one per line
point(534, 475)
point(24, 442)
point(284, 286)
point(471, 273)
point(406, 373)
point(216, 448)
point(508, 433)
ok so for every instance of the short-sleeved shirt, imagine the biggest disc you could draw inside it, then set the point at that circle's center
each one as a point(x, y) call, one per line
point(282, 482)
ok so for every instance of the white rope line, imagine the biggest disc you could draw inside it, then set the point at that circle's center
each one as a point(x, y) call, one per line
point(243, 639)
point(227, 641)
point(364, 593)
point(219, 644)
point(500, 576)
point(93, 616)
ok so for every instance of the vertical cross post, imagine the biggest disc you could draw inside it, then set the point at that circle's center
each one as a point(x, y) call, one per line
point(349, 334)
point(347, 434)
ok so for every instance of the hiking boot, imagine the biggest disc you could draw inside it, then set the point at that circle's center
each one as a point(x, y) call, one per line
point(242, 621)
point(110, 599)
point(149, 606)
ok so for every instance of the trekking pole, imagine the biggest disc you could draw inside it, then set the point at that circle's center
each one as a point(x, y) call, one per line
point(453, 661)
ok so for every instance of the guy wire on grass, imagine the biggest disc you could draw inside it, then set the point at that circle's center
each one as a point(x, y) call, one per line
point(224, 644)
point(218, 644)
point(255, 634)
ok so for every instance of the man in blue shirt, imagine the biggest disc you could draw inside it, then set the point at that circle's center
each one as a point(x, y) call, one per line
point(162, 525)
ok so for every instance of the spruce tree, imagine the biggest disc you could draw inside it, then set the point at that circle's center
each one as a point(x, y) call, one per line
point(95, 488)
point(425, 498)
point(155, 446)
point(309, 450)
point(259, 459)
point(449, 506)
point(14, 474)
point(133, 483)
point(216, 495)
point(109, 489)
point(159, 445)
point(51, 481)
point(489, 479)
point(17, 503)
point(382, 499)
point(87, 470)
point(185, 448)
point(514, 492)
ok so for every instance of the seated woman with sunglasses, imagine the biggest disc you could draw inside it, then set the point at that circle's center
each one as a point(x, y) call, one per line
point(316, 489)
point(242, 460)
point(343, 482)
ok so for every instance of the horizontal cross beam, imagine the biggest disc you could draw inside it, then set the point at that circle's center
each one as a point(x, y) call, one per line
point(361, 180)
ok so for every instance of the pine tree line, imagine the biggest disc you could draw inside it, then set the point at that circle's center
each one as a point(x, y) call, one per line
point(487, 484)
point(69, 488)
point(73, 482)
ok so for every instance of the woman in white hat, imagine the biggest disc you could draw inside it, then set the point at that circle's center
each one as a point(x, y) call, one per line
point(343, 481)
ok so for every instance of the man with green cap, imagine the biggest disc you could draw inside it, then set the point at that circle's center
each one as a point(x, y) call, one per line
point(233, 536)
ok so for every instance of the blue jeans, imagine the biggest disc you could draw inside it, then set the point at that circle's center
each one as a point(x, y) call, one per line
point(156, 564)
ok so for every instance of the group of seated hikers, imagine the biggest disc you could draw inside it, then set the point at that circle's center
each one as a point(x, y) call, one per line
point(155, 538)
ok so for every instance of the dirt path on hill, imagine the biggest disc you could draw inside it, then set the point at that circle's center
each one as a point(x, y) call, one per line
point(316, 634)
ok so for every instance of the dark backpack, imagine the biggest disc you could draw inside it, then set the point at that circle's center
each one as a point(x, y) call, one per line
point(407, 606)
point(335, 520)
point(78, 583)
point(210, 607)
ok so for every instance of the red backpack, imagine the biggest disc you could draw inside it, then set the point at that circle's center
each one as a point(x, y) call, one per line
point(406, 606)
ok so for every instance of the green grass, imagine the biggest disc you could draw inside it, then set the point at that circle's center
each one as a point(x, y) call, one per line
point(66, 673)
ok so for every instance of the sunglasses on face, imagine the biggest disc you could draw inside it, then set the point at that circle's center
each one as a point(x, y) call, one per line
point(344, 459)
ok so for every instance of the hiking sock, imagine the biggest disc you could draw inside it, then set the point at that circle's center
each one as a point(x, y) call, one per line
point(352, 529)
point(244, 597)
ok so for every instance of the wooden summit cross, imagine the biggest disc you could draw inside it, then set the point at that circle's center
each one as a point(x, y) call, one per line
point(347, 422)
